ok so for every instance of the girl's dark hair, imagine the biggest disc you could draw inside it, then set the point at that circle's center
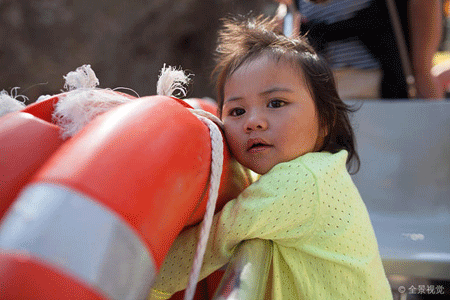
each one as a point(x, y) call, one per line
point(243, 39)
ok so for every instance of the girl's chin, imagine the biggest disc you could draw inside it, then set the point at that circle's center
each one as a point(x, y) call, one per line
point(254, 166)
point(259, 169)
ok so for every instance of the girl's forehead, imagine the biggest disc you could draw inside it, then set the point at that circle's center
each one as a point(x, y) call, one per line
point(270, 67)
point(269, 59)
point(266, 62)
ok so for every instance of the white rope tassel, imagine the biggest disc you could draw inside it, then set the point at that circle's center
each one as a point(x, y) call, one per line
point(172, 80)
point(10, 103)
point(216, 172)
point(82, 77)
point(83, 101)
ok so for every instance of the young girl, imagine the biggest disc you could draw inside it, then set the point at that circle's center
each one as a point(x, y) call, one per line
point(284, 120)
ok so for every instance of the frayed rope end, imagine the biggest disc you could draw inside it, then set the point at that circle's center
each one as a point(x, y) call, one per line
point(82, 77)
point(172, 82)
point(10, 103)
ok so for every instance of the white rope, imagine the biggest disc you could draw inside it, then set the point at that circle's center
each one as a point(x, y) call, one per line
point(216, 171)
point(83, 101)
point(170, 81)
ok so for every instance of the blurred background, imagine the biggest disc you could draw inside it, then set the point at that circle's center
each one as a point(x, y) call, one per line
point(125, 42)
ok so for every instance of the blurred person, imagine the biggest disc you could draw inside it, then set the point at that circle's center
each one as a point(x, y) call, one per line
point(358, 40)
point(441, 72)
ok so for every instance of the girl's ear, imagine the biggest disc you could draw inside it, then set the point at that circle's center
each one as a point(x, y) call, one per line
point(323, 133)
point(322, 137)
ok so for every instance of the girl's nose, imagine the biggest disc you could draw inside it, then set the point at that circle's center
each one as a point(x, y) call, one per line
point(256, 122)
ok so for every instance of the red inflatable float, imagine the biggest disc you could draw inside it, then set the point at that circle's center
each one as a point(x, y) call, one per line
point(103, 208)
point(27, 140)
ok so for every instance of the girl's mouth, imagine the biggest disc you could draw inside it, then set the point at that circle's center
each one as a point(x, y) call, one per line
point(259, 148)
point(257, 145)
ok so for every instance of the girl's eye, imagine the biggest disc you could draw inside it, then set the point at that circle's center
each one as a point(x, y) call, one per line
point(276, 103)
point(237, 112)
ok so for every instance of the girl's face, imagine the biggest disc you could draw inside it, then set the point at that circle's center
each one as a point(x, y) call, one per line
point(269, 114)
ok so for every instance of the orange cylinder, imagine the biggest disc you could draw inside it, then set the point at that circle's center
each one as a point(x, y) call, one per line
point(106, 207)
point(27, 140)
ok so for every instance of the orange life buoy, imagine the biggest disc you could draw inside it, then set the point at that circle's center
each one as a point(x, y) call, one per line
point(103, 211)
point(27, 139)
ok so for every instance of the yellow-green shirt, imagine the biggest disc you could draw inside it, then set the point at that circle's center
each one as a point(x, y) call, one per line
point(324, 246)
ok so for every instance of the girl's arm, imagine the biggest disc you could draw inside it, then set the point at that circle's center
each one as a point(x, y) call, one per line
point(273, 208)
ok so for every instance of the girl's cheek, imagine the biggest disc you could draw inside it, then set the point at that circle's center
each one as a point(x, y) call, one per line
point(228, 135)
point(231, 136)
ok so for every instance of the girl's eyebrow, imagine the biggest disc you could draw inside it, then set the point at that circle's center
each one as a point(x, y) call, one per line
point(265, 93)
point(276, 89)
point(232, 99)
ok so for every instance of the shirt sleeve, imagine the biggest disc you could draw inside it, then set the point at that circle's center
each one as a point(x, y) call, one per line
point(280, 206)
